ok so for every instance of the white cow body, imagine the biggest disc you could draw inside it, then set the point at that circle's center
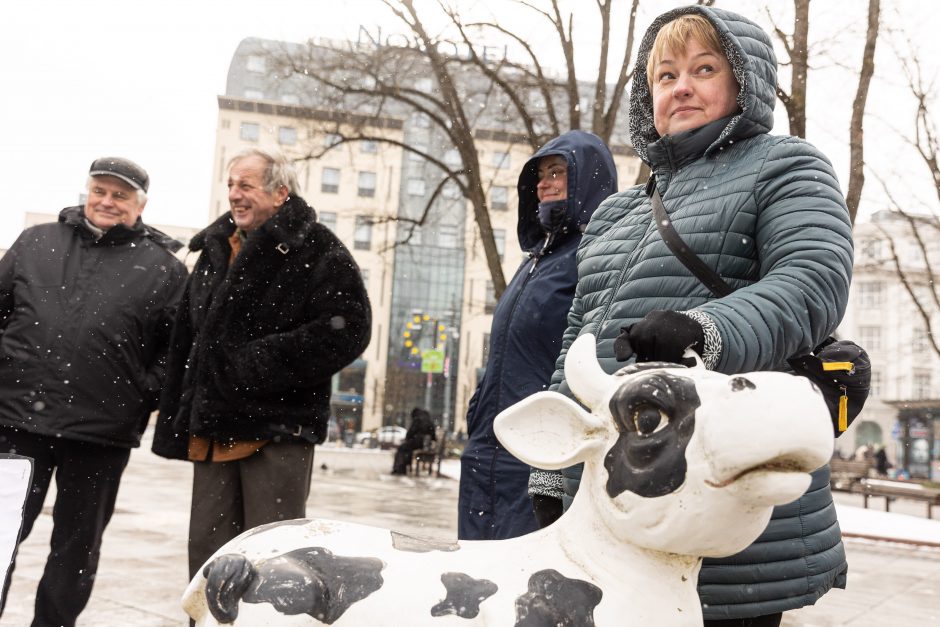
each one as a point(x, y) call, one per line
point(627, 552)
point(412, 580)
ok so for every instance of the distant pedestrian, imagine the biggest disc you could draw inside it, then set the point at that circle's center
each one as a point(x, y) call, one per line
point(274, 308)
point(86, 307)
point(881, 461)
point(421, 432)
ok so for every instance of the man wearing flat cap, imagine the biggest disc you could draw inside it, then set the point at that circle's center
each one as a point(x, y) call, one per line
point(86, 309)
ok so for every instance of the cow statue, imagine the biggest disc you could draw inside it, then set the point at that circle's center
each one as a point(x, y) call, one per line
point(679, 463)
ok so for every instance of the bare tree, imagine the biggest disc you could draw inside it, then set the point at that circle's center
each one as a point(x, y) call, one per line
point(479, 90)
point(923, 229)
point(796, 45)
point(856, 132)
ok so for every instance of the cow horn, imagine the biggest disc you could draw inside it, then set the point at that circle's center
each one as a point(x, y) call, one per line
point(583, 372)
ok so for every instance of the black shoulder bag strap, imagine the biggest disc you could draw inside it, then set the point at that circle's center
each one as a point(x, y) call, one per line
point(810, 366)
point(681, 250)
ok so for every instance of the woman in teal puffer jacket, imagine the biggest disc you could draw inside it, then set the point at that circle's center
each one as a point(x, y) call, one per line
point(763, 211)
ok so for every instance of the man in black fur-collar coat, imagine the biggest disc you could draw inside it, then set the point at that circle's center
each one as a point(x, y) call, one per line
point(274, 307)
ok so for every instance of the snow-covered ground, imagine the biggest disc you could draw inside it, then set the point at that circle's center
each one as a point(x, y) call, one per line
point(872, 523)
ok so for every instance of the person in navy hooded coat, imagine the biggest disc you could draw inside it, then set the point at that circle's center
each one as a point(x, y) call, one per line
point(559, 189)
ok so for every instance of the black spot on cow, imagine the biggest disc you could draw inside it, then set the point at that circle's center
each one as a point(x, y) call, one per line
point(554, 600)
point(309, 581)
point(655, 415)
point(402, 542)
point(742, 383)
point(464, 595)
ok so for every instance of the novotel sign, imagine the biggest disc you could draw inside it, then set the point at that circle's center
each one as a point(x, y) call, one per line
point(447, 48)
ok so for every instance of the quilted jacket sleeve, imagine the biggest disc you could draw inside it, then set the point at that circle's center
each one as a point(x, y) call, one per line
point(571, 334)
point(804, 242)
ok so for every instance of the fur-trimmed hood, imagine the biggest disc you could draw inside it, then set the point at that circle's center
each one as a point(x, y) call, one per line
point(751, 54)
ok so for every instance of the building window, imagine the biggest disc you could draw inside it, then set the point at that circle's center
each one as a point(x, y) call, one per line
point(424, 85)
point(489, 300)
point(450, 191)
point(362, 236)
point(421, 120)
point(499, 235)
point(417, 156)
point(368, 146)
point(920, 341)
point(499, 160)
point(287, 135)
point(416, 187)
point(226, 123)
point(870, 338)
point(447, 235)
point(499, 198)
point(875, 391)
point(329, 183)
point(255, 63)
point(870, 293)
point(452, 158)
point(920, 386)
point(331, 139)
point(367, 184)
point(327, 219)
point(364, 273)
point(871, 249)
point(250, 132)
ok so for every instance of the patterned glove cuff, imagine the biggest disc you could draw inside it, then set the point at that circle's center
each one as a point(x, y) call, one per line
point(546, 483)
point(712, 351)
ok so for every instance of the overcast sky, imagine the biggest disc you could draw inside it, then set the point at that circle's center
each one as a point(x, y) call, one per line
point(86, 79)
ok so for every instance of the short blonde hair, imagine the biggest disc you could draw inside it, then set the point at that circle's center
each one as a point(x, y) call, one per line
point(675, 34)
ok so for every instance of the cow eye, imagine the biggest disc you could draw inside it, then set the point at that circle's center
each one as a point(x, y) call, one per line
point(649, 419)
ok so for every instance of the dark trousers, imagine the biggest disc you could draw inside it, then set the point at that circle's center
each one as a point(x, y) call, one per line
point(403, 455)
point(87, 478)
point(768, 620)
point(232, 497)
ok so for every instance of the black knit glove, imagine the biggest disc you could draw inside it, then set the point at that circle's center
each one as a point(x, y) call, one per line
point(660, 336)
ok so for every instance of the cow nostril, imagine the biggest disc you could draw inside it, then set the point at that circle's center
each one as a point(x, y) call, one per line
point(742, 383)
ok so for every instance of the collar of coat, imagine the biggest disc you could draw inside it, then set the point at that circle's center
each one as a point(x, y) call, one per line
point(119, 234)
point(288, 227)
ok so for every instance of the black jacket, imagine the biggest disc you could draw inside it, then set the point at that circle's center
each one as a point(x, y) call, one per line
point(84, 328)
point(255, 344)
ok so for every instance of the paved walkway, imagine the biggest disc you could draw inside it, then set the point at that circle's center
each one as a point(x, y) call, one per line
point(142, 570)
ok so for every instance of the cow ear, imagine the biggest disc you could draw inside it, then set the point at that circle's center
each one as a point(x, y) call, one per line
point(549, 430)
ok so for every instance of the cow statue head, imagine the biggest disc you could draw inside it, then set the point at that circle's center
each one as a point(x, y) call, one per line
point(667, 448)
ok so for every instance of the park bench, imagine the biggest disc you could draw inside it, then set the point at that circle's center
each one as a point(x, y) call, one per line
point(889, 490)
point(846, 473)
point(425, 457)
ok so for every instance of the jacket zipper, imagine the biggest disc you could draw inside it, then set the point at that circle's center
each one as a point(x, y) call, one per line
point(623, 272)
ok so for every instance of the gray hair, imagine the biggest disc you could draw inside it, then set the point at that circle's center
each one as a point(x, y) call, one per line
point(279, 170)
point(141, 194)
